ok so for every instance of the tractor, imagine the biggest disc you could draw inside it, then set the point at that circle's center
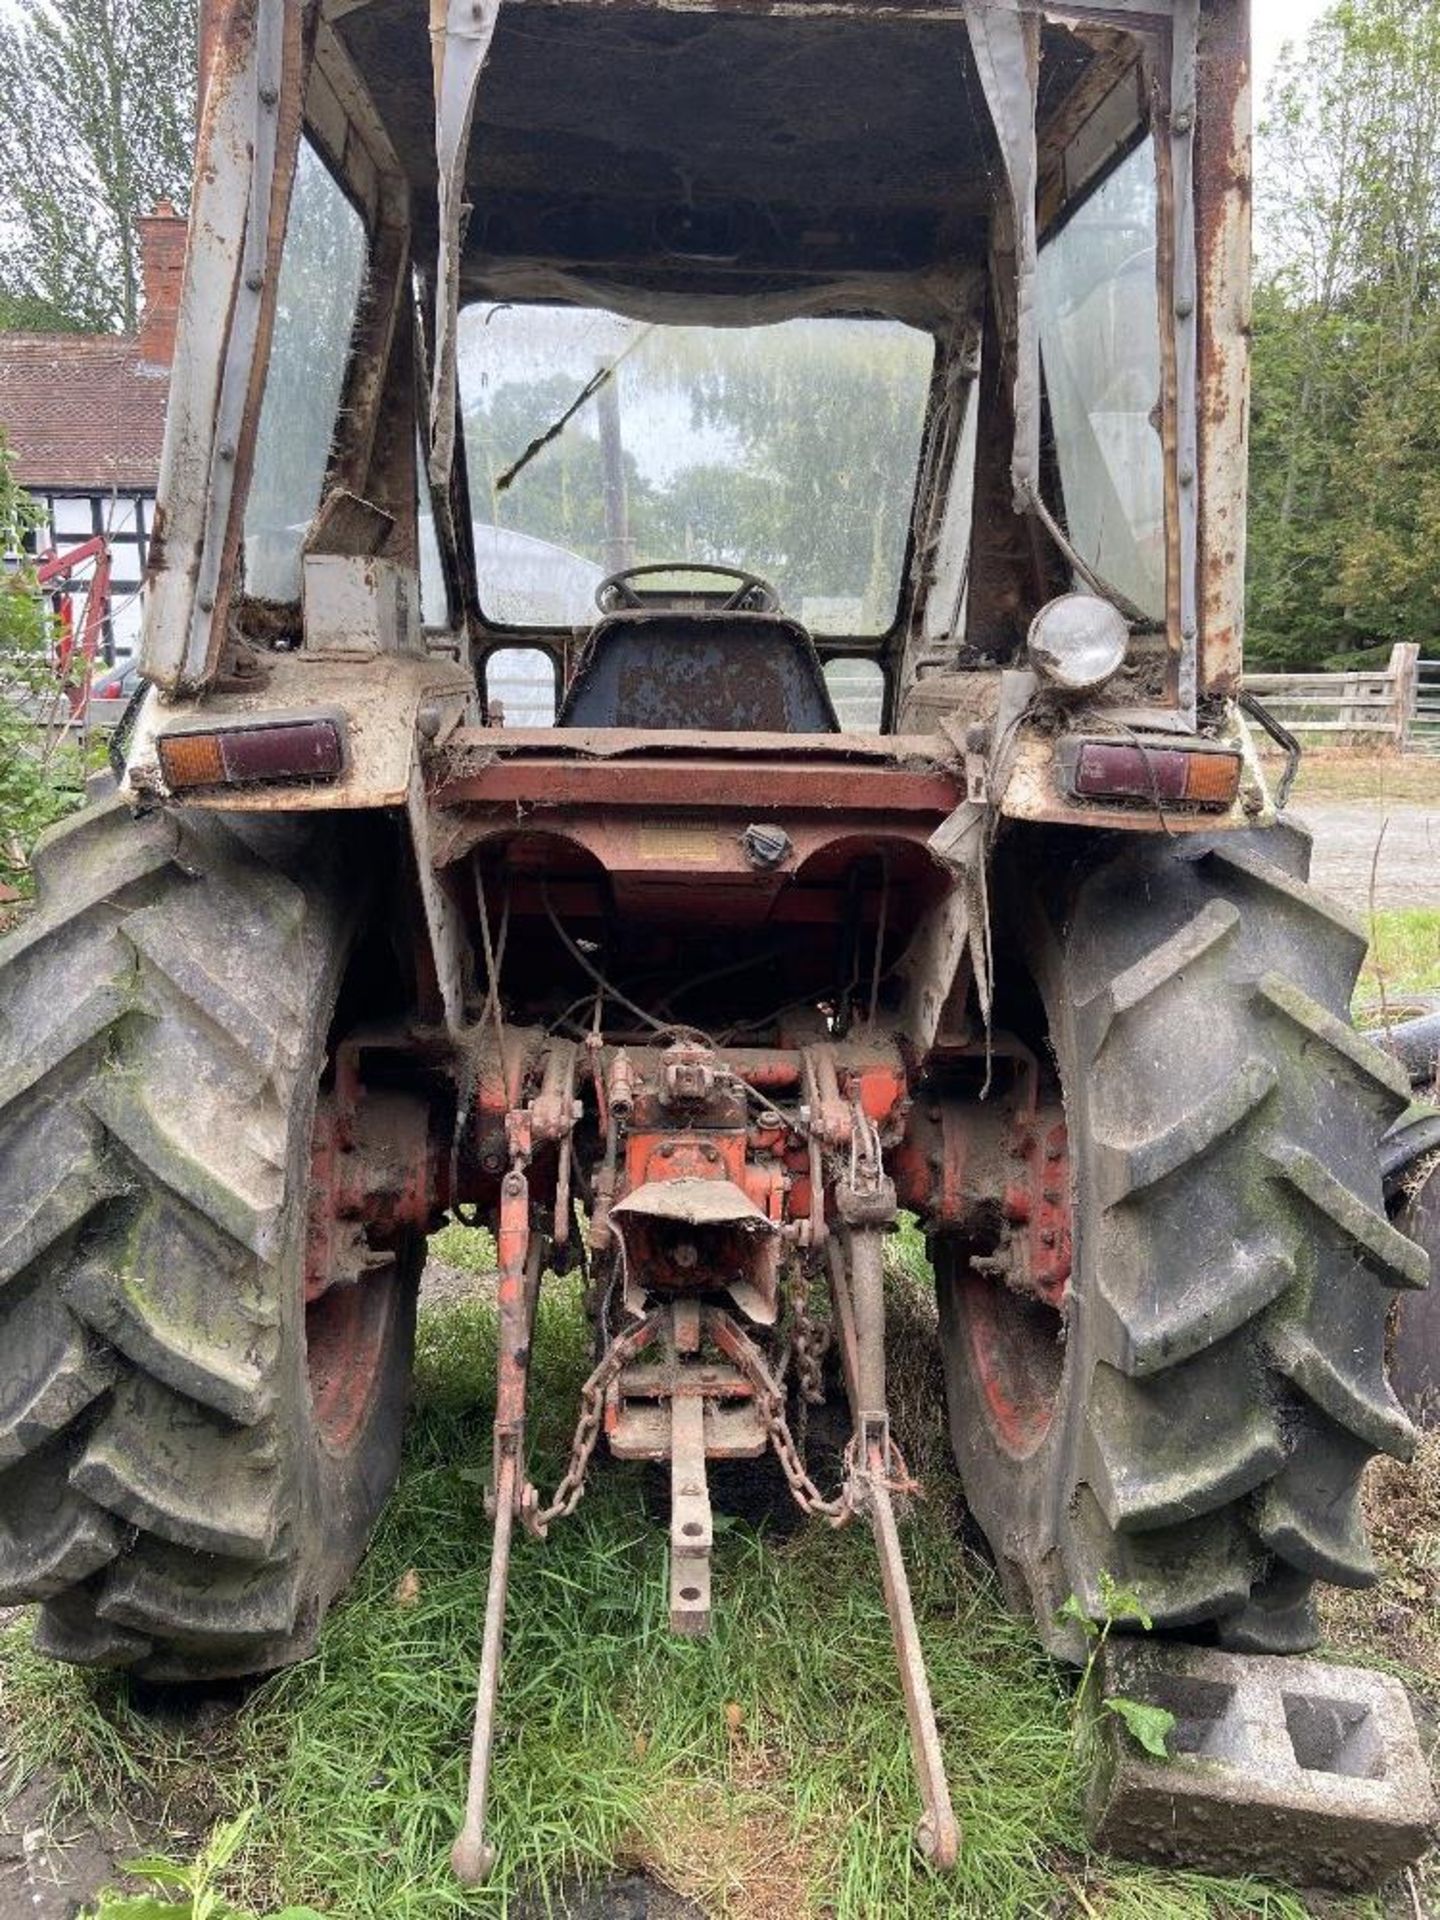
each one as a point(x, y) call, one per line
point(694, 709)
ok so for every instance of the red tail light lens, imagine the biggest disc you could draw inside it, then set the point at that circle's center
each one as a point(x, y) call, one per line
point(292, 749)
point(1173, 776)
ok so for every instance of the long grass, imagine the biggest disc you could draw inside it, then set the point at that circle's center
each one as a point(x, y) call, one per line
point(1404, 957)
point(764, 1771)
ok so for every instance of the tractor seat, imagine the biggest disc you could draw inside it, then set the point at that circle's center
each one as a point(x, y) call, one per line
point(706, 672)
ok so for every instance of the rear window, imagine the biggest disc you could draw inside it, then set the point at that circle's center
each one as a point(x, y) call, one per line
point(789, 450)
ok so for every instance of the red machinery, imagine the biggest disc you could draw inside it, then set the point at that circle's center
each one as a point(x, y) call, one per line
point(55, 572)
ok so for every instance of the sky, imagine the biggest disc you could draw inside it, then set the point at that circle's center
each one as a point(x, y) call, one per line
point(1272, 23)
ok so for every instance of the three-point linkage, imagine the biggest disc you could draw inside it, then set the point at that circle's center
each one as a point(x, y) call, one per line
point(707, 1223)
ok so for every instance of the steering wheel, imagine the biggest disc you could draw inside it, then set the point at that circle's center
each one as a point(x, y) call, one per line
point(615, 592)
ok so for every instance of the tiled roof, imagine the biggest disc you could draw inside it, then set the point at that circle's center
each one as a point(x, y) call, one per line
point(81, 410)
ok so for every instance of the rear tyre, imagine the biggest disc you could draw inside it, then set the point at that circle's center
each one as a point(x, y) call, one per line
point(176, 1488)
point(1415, 1347)
point(1194, 1422)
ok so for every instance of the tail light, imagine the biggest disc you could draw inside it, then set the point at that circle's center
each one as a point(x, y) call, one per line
point(1163, 776)
point(297, 747)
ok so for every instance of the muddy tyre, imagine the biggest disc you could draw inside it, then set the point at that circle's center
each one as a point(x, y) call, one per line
point(1415, 1207)
point(1195, 1421)
point(171, 1489)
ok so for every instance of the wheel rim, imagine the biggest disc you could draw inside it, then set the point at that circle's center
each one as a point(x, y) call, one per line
point(1017, 1351)
point(349, 1294)
point(1015, 1299)
point(346, 1330)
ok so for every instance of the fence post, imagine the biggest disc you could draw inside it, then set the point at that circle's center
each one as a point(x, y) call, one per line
point(1405, 672)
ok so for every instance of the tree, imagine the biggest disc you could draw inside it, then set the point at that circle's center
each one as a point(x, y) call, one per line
point(1345, 471)
point(559, 495)
point(40, 769)
point(97, 105)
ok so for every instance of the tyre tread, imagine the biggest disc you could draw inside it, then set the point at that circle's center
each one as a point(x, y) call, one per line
point(144, 1124)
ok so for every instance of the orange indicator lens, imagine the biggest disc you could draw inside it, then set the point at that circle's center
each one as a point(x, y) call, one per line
point(191, 760)
point(291, 749)
point(1212, 779)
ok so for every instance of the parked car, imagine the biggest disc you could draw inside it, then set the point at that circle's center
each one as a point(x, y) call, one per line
point(110, 693)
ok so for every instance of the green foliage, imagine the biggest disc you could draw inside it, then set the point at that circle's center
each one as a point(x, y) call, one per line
point(1149, 1724)
point(96, 112)
point(1404, 957)
point(1345, 447)
point(560, 495)
point(41, 776)
point(471, 1249)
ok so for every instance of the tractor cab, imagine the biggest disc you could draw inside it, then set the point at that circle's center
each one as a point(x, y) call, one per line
point(743, 492)
point(926, 320)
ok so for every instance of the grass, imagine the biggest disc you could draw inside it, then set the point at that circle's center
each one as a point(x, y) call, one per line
point(1404, 958)
point(764, 1772)
point(1375, 774)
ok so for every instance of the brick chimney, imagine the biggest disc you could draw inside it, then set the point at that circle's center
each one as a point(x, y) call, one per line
point(162, 267)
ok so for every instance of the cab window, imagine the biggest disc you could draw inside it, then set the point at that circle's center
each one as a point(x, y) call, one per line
point(322, 277)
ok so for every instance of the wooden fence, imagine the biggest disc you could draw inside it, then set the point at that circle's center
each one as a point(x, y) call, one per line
point(1401, 704)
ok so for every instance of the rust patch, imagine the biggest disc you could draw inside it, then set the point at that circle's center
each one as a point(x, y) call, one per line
point(1223, 194)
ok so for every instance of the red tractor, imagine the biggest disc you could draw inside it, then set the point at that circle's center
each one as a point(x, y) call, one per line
point(887, 836)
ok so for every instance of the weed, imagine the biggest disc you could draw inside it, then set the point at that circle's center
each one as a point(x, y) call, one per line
point(193, 1883)
point(1150, 1725)
point(470, 1249)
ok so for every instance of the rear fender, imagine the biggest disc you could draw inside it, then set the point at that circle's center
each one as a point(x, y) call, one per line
point(384, 705)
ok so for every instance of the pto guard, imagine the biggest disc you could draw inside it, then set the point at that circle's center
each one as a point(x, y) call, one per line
point(381, 707)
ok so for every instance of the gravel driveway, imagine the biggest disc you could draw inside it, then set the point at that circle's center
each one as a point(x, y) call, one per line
point(1347, 833)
